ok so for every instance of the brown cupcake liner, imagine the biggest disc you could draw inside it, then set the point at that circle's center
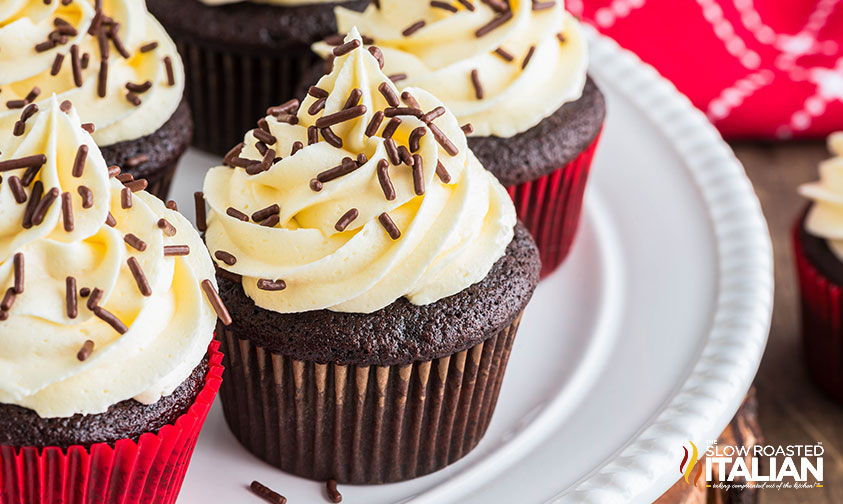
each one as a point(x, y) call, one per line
point(362, 424)
point(159, 182)
point(229, 91)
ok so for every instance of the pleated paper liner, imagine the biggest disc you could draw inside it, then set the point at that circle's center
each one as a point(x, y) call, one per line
point(148, 471)
point(362, 424)
point(230, 90)
point(550, 207)
point(822, 332)
point(159, 182)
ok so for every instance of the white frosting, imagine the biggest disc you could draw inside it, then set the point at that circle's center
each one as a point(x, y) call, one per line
point(825, 219)
point(24, 24)
point(440, 57)
point(168, 332)
point(450, 236)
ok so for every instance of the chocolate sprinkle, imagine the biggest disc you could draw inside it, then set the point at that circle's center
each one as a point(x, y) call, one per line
point(346, 47)
point(70, 297)
point(410, 100)
point(172, 205)
point(86, 351)
point(110, 220)
point(353, 98)
point(341, 116)
point(135, 242)
point(65, 106)
point(315, 185)
point(56, 68)
point(216, 302)
point(390, 128)
point(274, 219)
point(87, 196)
point(137, 185)
point(113, 171)
point(478, 86)
point(168, 65)
point(44, 205)
point(402, 111)
point(362, 159)
point(384, 180)
point(529, 55)
point(126, 197)
point(397, 77)
point(264, 136)
point(225, 257)
point(233, 153)
point(561, 37)
point(333, 493)
point(443, 5)
point(111, 319)
point(84, 292)
point(267, 494)
point(140, 277)
point(347, 166)
point(413, 28)
point(149, 47)
point(331, 137)
point(389, 94)
point(199, 200)
point(443, 174)
point(34, 200)
point(467, 128)
point(317, 92)
point(443, 140)
point(19, 272)
point(538, 6)
point(377, 54)
point(415, 137)
point(297, 146)
point(79, 162)
point(433, 114)
point(346, 219)
point(312, 135)
point(264, 213)
point(133, 98)
point(500, 51)
point(102, 79)
point(16, 187)
point(389, 225)
point(418, 175)
point(136, 161)
point(165, 226)
point(405, 156)
point(8, 299)
point(316, 106)
point(176, 250)
point(493, 24)
point(392, 151)
point(67, 211)
point(94, 300)
point(374, 124)
point(271, 285)
point(76, 65)
point(89, 127)
point(23, 162)
point(237, 214)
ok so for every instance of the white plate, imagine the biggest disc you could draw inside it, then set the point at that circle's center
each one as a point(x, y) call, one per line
point(647, 337)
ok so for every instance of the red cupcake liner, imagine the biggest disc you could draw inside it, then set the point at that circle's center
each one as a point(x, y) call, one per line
point(550, 207)
point(150, 470)
point(822, 332)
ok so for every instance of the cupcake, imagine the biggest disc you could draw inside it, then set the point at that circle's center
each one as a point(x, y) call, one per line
point(818, 250)
point(243, 56)
point(118, 67)
point(108, 368)
point(375, 276)
point(514, 74)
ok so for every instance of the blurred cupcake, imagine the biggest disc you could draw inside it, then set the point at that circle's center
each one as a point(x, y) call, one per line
point(243, 56)
point(516, 73)
point(818, 246)
point(375, 275)
point(116, 64)
point(106, 373)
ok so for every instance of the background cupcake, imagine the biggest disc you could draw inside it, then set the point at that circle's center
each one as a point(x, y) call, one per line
point(375, 276)
point(117, 65)
point(818, 244)
point(514, 71)
point(106, 373)
point(243, 56)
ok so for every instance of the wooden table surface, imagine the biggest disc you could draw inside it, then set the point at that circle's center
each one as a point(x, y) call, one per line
point(791, 410)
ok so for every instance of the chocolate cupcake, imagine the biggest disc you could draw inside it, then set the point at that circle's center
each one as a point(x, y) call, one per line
point(118, 67)
point(243, 56)
point(105, 324)
point(375, 277)
point(516, 73)
point(818, 245)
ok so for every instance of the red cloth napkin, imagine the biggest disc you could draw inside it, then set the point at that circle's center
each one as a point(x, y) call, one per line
point(757, 68)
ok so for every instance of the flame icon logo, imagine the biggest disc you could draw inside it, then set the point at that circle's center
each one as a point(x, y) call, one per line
point(687, 469)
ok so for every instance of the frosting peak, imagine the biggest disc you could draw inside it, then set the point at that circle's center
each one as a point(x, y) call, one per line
point(117, 64)
point(825, 219)
point(503, 69)
point(365, 195)
point(95, 310)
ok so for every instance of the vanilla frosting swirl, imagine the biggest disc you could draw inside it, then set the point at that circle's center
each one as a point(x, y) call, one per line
point(24, 24)
point(441, 56)
point(168, 331)
point(451, 235)
point(825, 218)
